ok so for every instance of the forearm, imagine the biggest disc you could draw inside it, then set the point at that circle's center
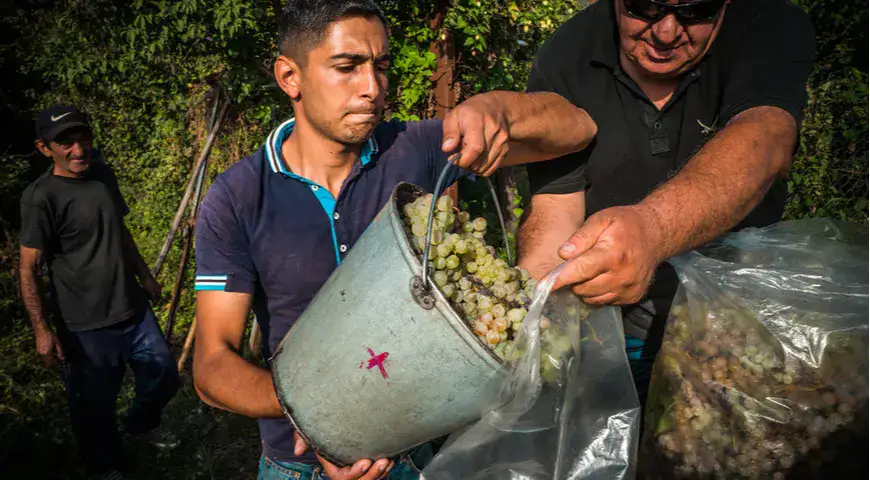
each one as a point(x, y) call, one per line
point(723, 183)
point(132, 255)
point(550, 221)
point(31, 295)
point(543, 125)
point(225, 380)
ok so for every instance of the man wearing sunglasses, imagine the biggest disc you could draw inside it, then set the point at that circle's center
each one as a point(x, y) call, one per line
point(698, 106)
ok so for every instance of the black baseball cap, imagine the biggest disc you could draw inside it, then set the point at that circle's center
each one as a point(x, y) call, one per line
point(54, 120)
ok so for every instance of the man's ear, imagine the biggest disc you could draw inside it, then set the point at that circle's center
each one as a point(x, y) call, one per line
point(43, 148)
point(288, 75)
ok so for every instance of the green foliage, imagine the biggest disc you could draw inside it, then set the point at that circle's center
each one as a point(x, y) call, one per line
point(829, 175)
point(497, 40)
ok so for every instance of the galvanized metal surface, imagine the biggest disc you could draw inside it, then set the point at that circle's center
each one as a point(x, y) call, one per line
point(366, 372)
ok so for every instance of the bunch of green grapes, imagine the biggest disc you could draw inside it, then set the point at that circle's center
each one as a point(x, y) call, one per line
point(489, 294)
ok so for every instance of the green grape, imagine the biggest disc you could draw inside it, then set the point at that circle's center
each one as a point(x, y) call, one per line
point(500, 324)
point(419, 243)
point(437, 235)
point(418, 229)
point(452, 261)
point(423, 213)
point(461, 246)
point(462, 263)
point(480, 328)
point(446, 219)
point(409, 209)
point(524, 274)
point(484, 303)
point(516, 315)
point(445, 204)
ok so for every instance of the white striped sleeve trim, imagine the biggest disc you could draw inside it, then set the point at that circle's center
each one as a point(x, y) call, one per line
point(211, 282)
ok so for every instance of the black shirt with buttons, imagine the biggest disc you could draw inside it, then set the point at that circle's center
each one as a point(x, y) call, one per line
point(762, 56)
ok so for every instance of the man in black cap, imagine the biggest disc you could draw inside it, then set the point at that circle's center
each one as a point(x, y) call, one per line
point(72, 221)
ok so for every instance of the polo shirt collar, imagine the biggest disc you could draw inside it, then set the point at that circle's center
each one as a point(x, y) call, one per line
point(277, 137)
point(605, 49)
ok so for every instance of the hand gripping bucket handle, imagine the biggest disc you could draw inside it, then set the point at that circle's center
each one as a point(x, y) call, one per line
point(420, 286)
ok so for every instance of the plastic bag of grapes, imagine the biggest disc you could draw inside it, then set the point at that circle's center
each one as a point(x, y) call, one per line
point(568, 411)
point(763, 368)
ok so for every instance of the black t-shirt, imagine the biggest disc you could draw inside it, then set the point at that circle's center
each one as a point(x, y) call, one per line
point(762, 56)
point(77, 223)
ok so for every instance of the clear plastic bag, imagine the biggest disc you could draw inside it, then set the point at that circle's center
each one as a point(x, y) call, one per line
point(569, 410)
point(763, 367)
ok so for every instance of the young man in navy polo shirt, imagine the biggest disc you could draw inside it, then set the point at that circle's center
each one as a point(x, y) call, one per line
point(275, 225)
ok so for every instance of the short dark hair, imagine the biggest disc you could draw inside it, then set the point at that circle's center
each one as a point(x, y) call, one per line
point(304, 23)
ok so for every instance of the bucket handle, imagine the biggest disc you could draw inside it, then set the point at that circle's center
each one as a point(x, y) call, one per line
point(421, 285)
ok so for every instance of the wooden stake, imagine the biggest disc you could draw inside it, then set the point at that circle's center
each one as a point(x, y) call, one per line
point(189, 190)
point(179, 282)
point(188, 342)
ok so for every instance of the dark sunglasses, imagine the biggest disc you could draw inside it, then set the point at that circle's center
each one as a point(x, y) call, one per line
point(686, 13)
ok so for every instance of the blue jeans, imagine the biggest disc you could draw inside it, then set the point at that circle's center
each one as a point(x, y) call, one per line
point(94, 366)
point(274, 470)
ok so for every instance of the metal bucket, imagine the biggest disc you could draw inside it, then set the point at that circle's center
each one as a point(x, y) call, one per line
point(378, 363)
